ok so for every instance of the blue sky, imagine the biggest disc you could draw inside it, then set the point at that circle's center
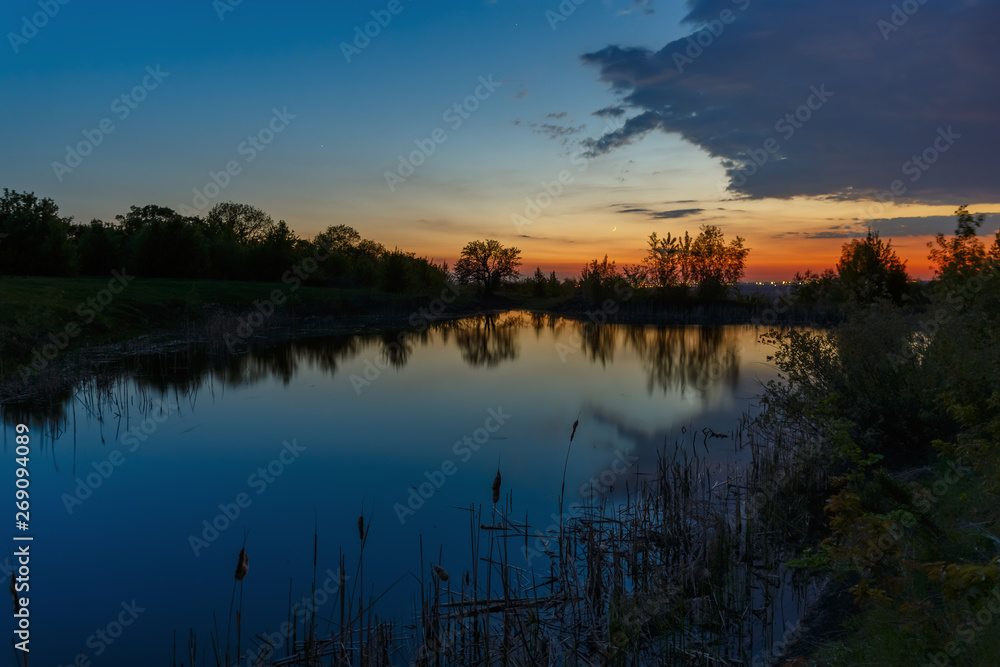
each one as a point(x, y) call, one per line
point(228, 68)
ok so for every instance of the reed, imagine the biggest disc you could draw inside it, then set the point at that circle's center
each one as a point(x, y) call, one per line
point(685, 569)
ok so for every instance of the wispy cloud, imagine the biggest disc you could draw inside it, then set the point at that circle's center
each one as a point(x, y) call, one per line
point(664, 215)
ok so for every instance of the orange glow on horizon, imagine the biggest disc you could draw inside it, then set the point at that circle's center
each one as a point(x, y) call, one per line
point(779, 260)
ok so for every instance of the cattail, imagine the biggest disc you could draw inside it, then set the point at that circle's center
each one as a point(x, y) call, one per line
point(441, 573)
point(361, 527)
point(242, 565)
point(496, 487)
point(575, 424)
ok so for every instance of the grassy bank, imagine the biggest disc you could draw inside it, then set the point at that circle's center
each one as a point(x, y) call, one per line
point(74, 313)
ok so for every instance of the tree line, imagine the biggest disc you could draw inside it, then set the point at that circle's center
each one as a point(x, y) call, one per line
point(231, 242)
point(705, 264)
point(869, 270)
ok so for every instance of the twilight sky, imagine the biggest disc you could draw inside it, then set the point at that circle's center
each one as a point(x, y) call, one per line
point(569, 129)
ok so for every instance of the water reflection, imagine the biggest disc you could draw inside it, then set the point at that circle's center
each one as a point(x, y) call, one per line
point(208, 420)
point(677, 358)
point(488, 340)
point(704, 359)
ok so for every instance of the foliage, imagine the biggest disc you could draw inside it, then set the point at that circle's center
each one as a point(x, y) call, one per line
point(705, 260)
point(869, 269)
point(635, 275)
point(811, 289)
point(962, 255)
point(34, 240)
point(920, 547)
point(241, 224)
point(866, 369)
point(168, 245)
point(539, 283)
point(100, 248)
point(716, 266)
point(665, 261)
point(232, 242)
point(487, 263)
point(598, 279)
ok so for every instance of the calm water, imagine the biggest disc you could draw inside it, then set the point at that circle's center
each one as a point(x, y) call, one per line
point(125, 476)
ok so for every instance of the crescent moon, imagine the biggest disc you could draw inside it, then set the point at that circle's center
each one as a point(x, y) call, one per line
point(615, 228)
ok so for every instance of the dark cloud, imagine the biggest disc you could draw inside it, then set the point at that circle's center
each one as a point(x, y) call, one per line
point(889, 228)
point(609, 112)
point(925, 225)
point(664, 215)
point(890, 95)
point(834, 232)
point(679, 213)
point(560, 114)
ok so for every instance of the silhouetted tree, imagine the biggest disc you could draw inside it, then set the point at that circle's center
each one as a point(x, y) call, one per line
point(274, 253)
point(100, 248)
point(635, 275)
point(666, 261)
point(706, 259)
point(962, 255)
point(394, 271)
point(538, 282)
point(488, 263)
point(165, 244)
point(598, 279)
point(554, 284)
point(338, 238)
point(716, 266)
point(34, 240)
point(815, 288)
point(238, 223)
point(869, 269)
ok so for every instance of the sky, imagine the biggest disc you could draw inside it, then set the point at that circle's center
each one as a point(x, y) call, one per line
point(569, 129)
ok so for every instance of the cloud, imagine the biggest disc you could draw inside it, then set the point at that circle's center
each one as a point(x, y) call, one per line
point(925, 226)
point(664, 215)
point(560, 114)
point(852, 231)
point(610, 112)
point(679, 213)
point(552, 130)
point(889, 228)
point(891, 91)
point(644, 6)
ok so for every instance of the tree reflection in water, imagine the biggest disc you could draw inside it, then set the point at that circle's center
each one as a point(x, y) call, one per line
point(678, 358)
point(674, 358)
point(488, 340)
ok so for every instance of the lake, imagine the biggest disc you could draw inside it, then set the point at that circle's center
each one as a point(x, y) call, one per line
point(145, 484)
